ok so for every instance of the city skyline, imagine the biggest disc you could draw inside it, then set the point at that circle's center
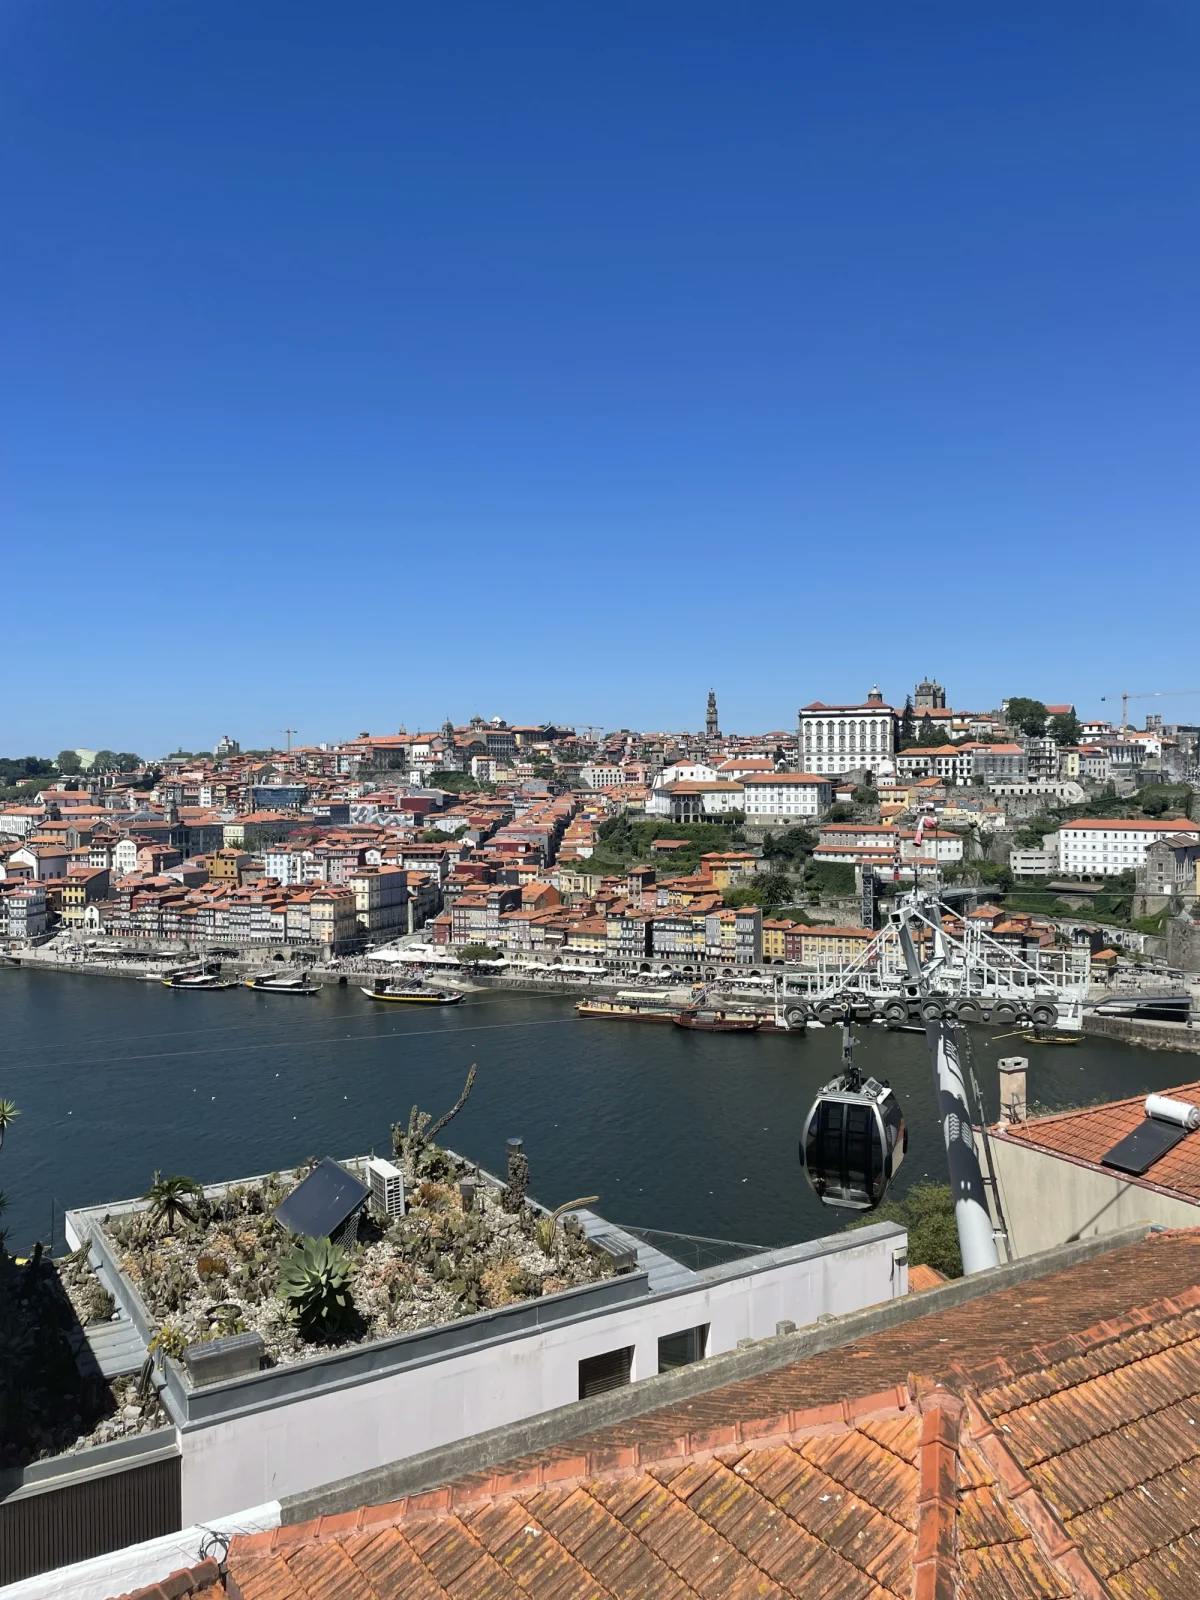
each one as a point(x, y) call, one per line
point(1183, 708)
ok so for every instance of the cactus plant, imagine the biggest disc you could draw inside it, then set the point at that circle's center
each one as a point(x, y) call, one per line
point(414, 1145)
point(315, 1282)
point(546, 1226)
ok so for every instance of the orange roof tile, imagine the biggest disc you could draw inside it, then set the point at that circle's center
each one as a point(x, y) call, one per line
point(1085, 1136)
point(1050, 1451)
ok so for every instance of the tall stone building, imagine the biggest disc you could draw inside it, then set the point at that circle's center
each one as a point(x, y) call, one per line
point(930, 696)
point(711, 729)
point(842, 738)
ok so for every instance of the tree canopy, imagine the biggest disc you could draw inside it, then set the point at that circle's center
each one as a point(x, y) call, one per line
point(1027, 716)
point(68, 761)
point(927, 1212)
point(1064, 728)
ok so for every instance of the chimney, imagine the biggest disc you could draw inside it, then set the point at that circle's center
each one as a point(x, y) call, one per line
point(1013, 1104)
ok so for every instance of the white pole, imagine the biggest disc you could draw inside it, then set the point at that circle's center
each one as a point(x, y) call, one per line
point(976, 1236)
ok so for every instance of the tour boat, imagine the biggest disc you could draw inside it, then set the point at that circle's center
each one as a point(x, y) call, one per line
point(412, 994)
point(282, 983)
point(624, 1010)
point(199, 980)
point(717, 1021)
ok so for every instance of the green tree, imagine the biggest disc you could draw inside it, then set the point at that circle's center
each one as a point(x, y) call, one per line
point(8, 1114)
point(927, 1212)
point(106, 761)
point(172, 1198)
point(479, 952)
point(793, 844)
point(907, 725)
point(68, 762)
point(1064, 728)
point(127, 761)
point(1027, 716)
point(840, 813)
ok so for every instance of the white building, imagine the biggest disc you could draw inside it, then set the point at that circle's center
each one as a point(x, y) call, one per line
point(784, 796)
point(840, 738)
point(23, 911)
point(686, 772)
point(953, 764)
point(601, 775)
point(1101, 847)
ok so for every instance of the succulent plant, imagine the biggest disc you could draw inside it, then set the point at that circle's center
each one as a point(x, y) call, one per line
point(226, 1319)
point(315, 1281)
point(169, 1340)
point(545, 1227)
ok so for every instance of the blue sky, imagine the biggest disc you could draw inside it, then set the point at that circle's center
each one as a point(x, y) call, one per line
point(366, 363)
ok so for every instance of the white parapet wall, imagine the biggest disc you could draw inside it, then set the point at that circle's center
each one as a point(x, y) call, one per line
point(335, 1428)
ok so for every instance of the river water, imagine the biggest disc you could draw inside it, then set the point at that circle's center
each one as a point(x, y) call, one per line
point(688, 1132)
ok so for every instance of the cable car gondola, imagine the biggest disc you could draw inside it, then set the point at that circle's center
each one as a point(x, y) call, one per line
point(854, 1140)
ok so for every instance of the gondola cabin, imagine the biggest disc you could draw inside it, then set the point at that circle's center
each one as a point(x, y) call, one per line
point(854, 1142)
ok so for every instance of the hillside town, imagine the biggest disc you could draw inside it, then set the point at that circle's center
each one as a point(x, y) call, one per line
point(542, 848)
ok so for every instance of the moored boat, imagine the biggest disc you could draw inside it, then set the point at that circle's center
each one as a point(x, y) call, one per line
point(1049, 1036)
point(411, 994)
point(282, 983)
point(199, 980)
point(625, 1010)
point(708, 1021)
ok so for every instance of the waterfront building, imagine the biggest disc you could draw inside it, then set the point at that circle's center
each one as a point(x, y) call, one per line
point(836, 739)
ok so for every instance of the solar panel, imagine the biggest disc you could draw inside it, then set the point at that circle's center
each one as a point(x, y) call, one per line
point(323, 1202)
point(1137, 1152)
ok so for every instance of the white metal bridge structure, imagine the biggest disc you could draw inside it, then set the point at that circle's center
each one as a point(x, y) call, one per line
point(971, 977)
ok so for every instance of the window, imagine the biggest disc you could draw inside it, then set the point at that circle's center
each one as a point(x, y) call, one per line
point(681, 1349)
point(599, 1374)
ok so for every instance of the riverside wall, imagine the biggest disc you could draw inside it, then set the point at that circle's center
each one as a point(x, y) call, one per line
point(1150, 1035)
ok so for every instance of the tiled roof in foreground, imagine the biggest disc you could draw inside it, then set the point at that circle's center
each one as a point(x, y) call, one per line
point(1039, 1441)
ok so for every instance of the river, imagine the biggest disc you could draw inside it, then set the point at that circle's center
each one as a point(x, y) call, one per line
point(689, 1132)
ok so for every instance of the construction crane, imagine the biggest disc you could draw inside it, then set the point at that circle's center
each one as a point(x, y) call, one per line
point(287, 733)
point(1150, 694)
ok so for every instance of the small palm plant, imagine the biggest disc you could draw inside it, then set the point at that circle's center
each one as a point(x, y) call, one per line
point(315, 1283)
point(172, 1198)
point(8, 1112)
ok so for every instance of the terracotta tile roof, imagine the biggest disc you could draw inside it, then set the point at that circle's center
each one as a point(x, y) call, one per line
point(1132, 824)
point(1085, 1136)
point(178, 1585)
point(1071, 1469)
point(922, 1277)
point(1049, 1448)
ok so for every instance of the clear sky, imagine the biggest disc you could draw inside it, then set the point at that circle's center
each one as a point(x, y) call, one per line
point(361, 363)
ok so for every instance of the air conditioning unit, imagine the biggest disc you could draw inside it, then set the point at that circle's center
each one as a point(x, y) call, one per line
point(387, 1187)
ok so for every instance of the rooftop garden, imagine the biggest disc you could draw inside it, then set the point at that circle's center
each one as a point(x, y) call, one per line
point(209, 1264)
